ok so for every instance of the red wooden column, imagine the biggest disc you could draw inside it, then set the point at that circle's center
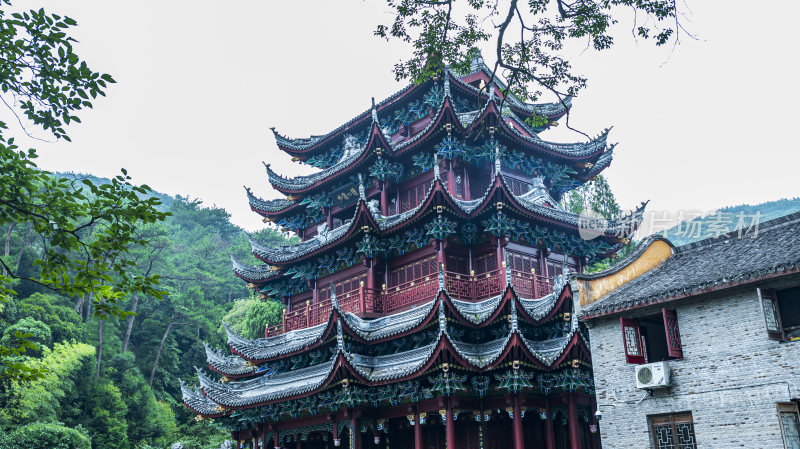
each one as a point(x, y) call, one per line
point(549, 438)
point(355, 436)
point(519, 439)
point(451, 180)
point(298, 444)
point(449, 427)
point(572, 416)
point(384, 199)
point(417, 431)
point(276, 442)
point(328, 217)
point(336, 432)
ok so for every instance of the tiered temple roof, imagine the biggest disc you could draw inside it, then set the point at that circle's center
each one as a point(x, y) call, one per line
point(343, 333)
point(430, 275)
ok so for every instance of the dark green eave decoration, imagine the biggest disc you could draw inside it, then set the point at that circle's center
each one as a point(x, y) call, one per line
point(500, 224)
point(514, 380)
point(469, 233)
point(447, 383)
point(347, 256)
point(440, 228)
point(370, 246)
point(450, 148)
point(425, 161)
point(382, 170)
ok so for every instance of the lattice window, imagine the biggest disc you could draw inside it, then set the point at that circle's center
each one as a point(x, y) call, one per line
point(412, 271)
point(485, 263)
point(457, 264)
point(413, 196)
point(673, 431)
point(523, 262)
point(790, 425)
point(348, 285)
point(632, 340)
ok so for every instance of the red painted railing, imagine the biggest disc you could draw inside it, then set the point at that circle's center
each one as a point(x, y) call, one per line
point(410, 293)
point(530, 285)
point(370, 301)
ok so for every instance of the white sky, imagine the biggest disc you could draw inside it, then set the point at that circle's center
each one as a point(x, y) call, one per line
point(200, 83)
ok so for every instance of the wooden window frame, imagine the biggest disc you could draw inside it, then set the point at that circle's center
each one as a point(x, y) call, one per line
point(632, 333)
point(672, 419)
point(786, 407)
point(771, 310)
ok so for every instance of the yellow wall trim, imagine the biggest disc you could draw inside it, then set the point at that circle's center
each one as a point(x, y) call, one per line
point(655, 254)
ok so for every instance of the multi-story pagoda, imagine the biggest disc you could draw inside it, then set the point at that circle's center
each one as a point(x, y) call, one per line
point(427, 304)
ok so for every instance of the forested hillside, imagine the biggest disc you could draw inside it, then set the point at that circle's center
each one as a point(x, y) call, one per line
point(114, 383)
point(729, 218)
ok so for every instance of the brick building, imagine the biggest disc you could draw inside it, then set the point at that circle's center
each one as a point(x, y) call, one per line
point(724, 316)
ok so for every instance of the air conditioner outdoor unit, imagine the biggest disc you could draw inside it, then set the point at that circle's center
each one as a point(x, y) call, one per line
point(652, 375)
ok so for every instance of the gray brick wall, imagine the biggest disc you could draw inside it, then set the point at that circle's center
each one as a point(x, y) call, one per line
point(730, 378)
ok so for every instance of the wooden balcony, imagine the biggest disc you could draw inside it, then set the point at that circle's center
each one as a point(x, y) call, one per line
point(372, 302)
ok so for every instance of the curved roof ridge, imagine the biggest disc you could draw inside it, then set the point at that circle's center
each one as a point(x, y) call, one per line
point(283, 253)
point(273, 205)
point(305, 144)
point(388, 325)
point(264, 389)
point(640, 248)
point(481, 355)
point(252, 273)
point(195, 400)
point(305, 181)
point(392, 366)
point(227, 364)
point(711, 264)
point(547, 109)
point(269, 347)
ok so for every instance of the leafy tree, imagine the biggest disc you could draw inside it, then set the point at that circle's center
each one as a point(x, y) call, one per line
point(249, 317)
point(54, 311)
point(51, 436)
point(40, 333)
point(528, 38)
point(596, 196)
point(87, 229)
point(43, 399)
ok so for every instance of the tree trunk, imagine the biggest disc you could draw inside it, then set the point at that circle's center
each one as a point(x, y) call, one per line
point(130, 324)
point(79, 305)
point(99, 345)
point(88, 307)
point(24, 244)
point(160, 348)
point(230, 293)
point(7, 248)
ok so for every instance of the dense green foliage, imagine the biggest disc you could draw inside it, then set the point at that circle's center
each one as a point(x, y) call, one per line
point(51, 436)
point(86, 230)
point(529, 39)
point(130, 404)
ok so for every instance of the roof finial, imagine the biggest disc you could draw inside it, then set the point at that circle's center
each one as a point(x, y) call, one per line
point(476, 64)
point(442, 317)
point(446, 82)
point(498, 163)
point(513, 318)
point(334, 301)
point(491, 91)
point(339, 335)
point(436, 174)
point(374, 111)
point(441, 276)
point(361, 192)
point(506, 269)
